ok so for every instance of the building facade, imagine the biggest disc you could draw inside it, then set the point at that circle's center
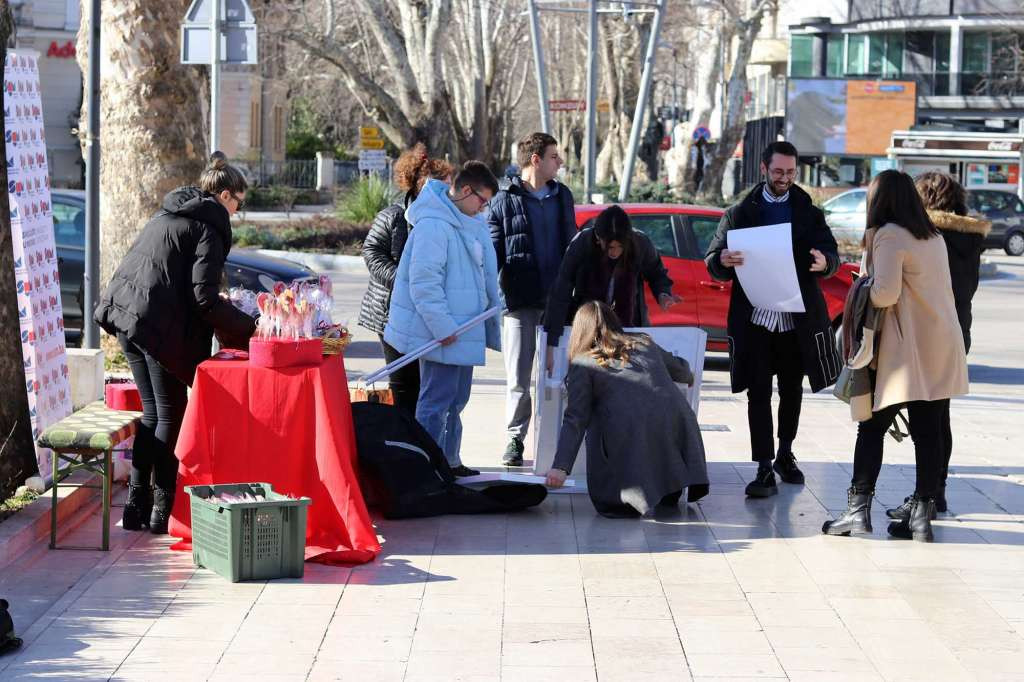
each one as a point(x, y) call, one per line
point(50, 27)
point(966, 56)
point(253, 107)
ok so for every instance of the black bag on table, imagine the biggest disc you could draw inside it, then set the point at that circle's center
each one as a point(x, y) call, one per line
point(404, 473)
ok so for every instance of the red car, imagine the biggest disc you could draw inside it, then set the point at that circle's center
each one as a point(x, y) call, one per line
point(681, 234)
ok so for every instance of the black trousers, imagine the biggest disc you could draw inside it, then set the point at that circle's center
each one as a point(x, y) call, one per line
point(774, 354)
point(405, 383)
point(164, 398)
point(947, 444)
point(929, 436)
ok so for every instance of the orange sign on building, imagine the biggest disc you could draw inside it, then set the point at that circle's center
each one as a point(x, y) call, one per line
point(873, 110)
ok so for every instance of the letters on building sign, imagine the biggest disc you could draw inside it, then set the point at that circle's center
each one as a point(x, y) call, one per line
point(67, 51)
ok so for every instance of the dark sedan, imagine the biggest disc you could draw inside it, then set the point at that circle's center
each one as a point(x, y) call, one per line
point(1006, 211)
point(244, 268)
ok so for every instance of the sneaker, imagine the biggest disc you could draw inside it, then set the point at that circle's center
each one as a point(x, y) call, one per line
point(785, 466)
point(462, 470)
point(763, 485)
point(513, 456)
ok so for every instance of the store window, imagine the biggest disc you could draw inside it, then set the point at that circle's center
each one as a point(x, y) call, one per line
point(834, 55)
point(801, 56)
point(975, 52)
point(856, 54)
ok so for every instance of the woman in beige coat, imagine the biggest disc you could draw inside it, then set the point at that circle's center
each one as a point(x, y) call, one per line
point(920, 359)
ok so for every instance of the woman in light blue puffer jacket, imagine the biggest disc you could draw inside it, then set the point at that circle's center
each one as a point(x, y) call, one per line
point(447, 275)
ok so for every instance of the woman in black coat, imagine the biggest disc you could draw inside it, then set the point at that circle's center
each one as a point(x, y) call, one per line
point(608, 262)
point(946, 202)
point(163, 304)
point(382, 250)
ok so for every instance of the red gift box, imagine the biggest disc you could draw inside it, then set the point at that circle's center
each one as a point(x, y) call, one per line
point(275, 353)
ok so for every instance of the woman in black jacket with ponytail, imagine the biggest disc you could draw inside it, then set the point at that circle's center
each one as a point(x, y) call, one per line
point(382, 250)
point(163, 304)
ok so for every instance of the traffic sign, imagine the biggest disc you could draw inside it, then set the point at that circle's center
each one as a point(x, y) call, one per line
point(369, 131)
point(368, 143)
point(701, 133)
point(372, 154)
point(372, 160)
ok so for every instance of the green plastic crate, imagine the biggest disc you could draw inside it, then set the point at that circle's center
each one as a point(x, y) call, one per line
point(248, 540)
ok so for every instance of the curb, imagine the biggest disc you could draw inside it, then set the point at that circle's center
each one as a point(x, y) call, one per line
point(31, 524)
point(320, 261)
point(988, 270)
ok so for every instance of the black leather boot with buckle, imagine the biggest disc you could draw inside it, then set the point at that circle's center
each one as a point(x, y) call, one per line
point(902, 512)
point(856, 520)
point(137, 507)
point(918, 525)
point(163, 501)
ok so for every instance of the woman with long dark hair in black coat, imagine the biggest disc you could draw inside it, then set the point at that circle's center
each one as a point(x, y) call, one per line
point(163, 304)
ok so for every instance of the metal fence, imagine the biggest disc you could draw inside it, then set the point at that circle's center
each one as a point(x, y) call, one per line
point(347, 172)
point(298, 173)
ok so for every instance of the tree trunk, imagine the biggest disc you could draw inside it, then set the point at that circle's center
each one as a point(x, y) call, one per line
point(152, 123)
point(620, 48)
point(17, 451)
point(735, 115)
point(705, 105)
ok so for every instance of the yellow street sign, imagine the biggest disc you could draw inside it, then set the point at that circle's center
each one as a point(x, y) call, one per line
point(365, 143)
point(371, 132)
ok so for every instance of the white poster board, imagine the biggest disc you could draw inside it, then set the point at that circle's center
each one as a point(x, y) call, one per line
point(549, 398)
point(35, 253)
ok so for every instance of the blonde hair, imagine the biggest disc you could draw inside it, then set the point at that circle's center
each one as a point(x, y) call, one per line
point(219, 175)
point(597, 332)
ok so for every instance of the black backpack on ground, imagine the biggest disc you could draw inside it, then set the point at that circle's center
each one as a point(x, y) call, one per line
point(404, 473)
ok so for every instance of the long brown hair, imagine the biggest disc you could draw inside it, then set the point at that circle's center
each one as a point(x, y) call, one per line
point(892, 198)
point(597, 332)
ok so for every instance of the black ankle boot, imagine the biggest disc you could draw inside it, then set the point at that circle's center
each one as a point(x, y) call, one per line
point(856, 520)
point(163, 501)
point(917, 526)
point(902, 512)
point(137, 507)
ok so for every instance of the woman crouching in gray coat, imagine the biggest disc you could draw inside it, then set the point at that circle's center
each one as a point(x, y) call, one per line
point(643, 442)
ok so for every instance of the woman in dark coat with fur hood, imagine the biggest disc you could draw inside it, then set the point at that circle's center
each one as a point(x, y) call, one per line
point(382, 250)
point(163, 304)
point(946, 202)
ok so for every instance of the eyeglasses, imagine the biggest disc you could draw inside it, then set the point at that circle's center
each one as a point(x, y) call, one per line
point(778, 173)
point(240, 202)
point(478, 195)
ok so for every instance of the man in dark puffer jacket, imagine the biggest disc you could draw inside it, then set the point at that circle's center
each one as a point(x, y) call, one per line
point(532, 223)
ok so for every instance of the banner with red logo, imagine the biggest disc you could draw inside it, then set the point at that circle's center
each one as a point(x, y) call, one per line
point(35, 253)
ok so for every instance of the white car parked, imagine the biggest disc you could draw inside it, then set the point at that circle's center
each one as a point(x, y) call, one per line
point(847, 214)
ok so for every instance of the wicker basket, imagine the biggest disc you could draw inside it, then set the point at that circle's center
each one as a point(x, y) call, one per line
point(334, 346)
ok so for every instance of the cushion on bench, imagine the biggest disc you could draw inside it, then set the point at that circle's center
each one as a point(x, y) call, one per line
point(94, 427)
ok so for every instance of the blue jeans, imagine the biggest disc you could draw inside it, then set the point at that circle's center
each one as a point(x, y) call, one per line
point(444, 393)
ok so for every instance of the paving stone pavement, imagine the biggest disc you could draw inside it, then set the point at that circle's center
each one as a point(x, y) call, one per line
point(725, 589)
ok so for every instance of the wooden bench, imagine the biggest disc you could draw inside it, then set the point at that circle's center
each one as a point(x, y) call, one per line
point(85, 441)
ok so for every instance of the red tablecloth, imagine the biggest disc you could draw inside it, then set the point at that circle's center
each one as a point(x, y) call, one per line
point(288, 427)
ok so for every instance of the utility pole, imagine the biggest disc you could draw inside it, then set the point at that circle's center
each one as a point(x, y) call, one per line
point(590, 170)
point(214, 74)
point(540, 68)
point(91, 277)
point(641, 103)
